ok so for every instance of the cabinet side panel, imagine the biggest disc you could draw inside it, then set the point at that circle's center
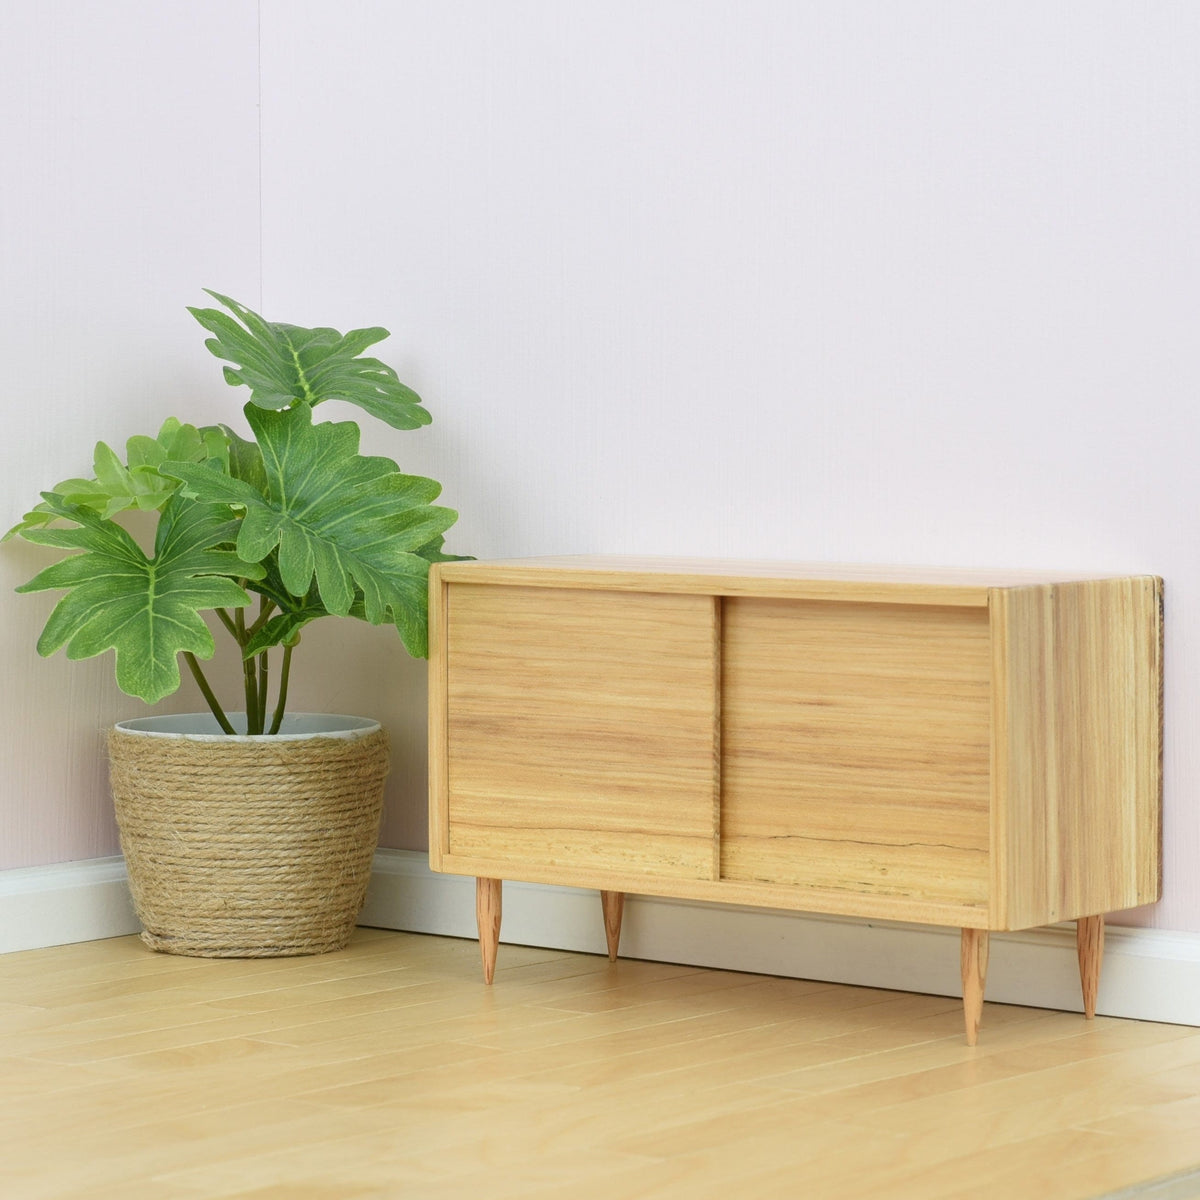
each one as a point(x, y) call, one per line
point(581, 732)
point(1079, 668)
point(855, 749)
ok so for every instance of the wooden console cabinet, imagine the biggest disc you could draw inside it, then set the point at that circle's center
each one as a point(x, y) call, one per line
point(965, 748)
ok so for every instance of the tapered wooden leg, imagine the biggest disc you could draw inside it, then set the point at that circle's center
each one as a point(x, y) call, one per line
point(974, 978)
point(487, 914)
point(613, 904)
point(1089, 937)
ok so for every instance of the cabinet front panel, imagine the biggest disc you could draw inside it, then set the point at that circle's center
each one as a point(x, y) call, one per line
point(582, 731)
point(855, 748)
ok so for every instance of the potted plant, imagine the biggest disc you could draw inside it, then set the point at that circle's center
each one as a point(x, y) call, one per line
point(246, 833)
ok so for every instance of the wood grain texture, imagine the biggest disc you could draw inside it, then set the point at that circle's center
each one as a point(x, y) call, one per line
point(733, 891)
point(1089, 938)
point(438, 742)
point(991, 766)
point(387, 1069)
point(488, 911)
point(855, 748)
point(865, 583)
point(730, 577)
point(612, 905)
point(581, 731)
point(1077, 754)
point(974, 979)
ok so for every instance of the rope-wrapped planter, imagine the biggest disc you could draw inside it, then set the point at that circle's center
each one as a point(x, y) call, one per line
point(248, 847)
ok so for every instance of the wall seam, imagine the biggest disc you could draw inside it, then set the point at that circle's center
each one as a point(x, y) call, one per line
point(259, 67)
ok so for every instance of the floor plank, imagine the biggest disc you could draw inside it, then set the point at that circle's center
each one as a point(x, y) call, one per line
point(390, 1070)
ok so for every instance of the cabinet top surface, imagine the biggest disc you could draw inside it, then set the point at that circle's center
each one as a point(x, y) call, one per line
point(968, 586)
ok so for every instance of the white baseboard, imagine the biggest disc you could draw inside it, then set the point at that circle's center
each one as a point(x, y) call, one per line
point(1149, 974)
point(66, 902)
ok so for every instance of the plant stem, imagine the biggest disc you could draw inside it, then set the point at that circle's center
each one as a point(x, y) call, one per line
point(227, 621)
point(277, 719)
point(260, 718)
point(266, 608)
point(202, 683)
point(249, 679)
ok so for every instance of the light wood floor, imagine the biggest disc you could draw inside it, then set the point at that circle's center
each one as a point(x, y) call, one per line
point(390, 1070)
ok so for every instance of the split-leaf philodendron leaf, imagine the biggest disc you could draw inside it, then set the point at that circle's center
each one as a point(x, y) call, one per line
point(355, 525)
point(294, 611)
point(319, 530)
point(136, 483)
point(282, 364)
point(146, 609)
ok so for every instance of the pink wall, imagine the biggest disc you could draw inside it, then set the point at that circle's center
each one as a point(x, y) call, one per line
point(873, 282)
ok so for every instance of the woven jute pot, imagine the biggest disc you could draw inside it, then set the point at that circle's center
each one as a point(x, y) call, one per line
point(248, 847)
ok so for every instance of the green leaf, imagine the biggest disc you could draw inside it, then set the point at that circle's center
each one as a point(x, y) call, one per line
point(86, 493)
point(294, 611)
point(350, 523)
point(245, 460)
point(136, 484)
point(216, 446)
point(433, 552)
point(282, 629)
point(146, 609)
point(284, 364)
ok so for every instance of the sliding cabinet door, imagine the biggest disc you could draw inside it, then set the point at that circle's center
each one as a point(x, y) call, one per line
point(581, 733)
point(855, 749)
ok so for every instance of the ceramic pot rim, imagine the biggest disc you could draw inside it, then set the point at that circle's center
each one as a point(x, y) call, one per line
point(203, 727)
